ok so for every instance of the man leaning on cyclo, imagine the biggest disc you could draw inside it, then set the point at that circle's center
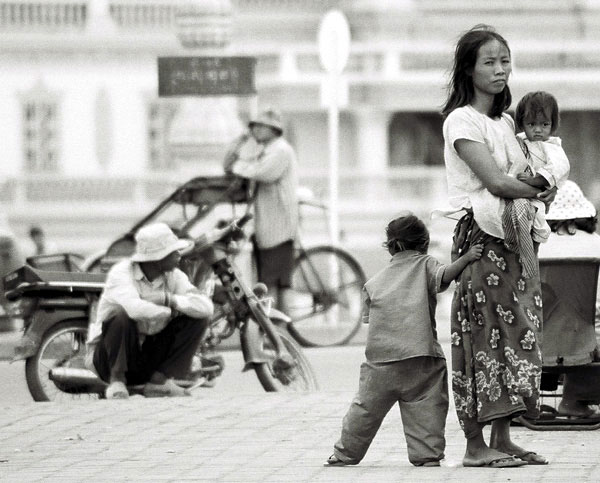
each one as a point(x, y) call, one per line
point(264, 156)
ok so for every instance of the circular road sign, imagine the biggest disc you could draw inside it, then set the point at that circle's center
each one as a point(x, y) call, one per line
point(334, 41)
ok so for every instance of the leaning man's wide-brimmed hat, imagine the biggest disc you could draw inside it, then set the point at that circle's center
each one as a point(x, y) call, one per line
point(269, 118)
point(154, 242)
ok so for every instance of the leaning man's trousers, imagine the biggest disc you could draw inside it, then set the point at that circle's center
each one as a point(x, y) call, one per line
point(420, 387)
point(169, 352)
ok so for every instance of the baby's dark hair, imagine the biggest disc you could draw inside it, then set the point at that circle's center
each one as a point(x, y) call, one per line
point(537, 103)
point(407, 232)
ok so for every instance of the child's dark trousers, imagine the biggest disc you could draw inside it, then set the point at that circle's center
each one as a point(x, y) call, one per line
point(420, 387)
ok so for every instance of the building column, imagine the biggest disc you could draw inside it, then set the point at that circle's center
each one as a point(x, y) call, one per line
point(372, 141)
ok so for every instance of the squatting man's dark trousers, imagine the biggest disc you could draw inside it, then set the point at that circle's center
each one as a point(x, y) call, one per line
point(169, 352)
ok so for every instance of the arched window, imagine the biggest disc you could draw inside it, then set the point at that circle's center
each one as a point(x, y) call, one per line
point(160, 113)
point(40, 128)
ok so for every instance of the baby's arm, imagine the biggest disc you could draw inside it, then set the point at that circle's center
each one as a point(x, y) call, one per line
point(537, 180)
point(454, 269)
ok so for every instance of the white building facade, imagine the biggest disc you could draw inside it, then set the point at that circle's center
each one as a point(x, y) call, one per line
point(88, 146)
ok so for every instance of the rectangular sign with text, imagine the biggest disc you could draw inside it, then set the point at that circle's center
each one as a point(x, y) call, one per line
point(206, 76)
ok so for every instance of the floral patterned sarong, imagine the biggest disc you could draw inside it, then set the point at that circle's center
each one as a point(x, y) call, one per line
point(496, 325)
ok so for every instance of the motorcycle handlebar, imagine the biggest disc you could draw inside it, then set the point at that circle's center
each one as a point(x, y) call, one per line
point(222, 235)
point(242, 221)
point(229, 231)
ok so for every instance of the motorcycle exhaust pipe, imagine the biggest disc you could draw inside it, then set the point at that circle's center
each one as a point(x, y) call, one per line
point(73, 379)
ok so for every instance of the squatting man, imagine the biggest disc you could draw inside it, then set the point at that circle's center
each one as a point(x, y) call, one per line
point(150, 319)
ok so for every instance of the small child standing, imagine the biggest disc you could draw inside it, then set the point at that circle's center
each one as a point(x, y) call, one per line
point(404, 360)
point(547, 166)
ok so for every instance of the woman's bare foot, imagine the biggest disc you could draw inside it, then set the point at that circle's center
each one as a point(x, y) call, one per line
point(478, 453)
point(501, 441)
point(576, 409)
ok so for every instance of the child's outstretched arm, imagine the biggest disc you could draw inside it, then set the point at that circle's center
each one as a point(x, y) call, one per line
point(454, 269)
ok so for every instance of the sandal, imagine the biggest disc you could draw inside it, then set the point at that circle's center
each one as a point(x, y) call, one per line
point(333, 460)
point(167, 389)
point(532, 458)
point(501, 462)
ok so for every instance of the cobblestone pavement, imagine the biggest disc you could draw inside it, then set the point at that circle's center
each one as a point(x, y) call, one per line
point(245, 438)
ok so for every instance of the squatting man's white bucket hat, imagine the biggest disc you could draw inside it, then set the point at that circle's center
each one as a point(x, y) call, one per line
point(154, 242)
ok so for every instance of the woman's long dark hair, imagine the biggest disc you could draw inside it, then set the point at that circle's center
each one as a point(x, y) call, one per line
point(460, 88)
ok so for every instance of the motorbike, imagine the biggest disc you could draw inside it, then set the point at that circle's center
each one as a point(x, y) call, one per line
point(56, 307)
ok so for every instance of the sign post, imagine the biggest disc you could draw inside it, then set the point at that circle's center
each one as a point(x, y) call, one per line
point(334, 49)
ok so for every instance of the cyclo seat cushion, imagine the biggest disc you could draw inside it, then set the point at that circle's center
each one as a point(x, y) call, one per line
point(29, 275)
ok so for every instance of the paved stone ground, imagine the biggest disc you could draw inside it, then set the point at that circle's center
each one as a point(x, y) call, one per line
point(245, 438)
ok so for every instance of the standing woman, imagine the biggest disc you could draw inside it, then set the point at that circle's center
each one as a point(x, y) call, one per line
point(496, 315)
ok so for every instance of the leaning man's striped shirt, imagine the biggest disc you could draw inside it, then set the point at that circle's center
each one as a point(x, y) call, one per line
point(276, 203)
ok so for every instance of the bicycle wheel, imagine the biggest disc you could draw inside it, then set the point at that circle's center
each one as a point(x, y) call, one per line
point(325, 298)
point(62, 347)
point(300, 378)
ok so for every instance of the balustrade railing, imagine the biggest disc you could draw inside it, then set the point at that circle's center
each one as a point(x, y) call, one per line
point(143, 15)
point(42, 15)
point(419, 186)
point(299, 61)
point(289, 5)
point(86, 214)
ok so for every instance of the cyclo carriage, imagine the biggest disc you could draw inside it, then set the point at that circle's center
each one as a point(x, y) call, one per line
point(569, 268)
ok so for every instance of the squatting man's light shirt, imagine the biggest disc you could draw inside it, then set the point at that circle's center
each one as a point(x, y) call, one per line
point(128, 288)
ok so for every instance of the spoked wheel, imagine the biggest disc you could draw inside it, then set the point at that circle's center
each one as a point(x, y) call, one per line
point(325, 298)
point(300, 378)
point(61, 347)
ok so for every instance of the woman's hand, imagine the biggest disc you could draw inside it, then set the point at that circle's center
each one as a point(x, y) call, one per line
point(547, 196)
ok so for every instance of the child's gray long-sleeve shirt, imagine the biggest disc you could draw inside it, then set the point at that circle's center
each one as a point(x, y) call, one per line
point(400, 303)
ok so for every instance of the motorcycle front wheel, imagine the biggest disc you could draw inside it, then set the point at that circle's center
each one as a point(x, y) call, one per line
point(300, 378)
point(63, 346)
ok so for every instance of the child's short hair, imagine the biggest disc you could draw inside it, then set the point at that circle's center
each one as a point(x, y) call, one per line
point(407, 232)
point(537, 103)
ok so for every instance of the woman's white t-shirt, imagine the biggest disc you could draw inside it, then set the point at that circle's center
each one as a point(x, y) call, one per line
point(465, 189)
